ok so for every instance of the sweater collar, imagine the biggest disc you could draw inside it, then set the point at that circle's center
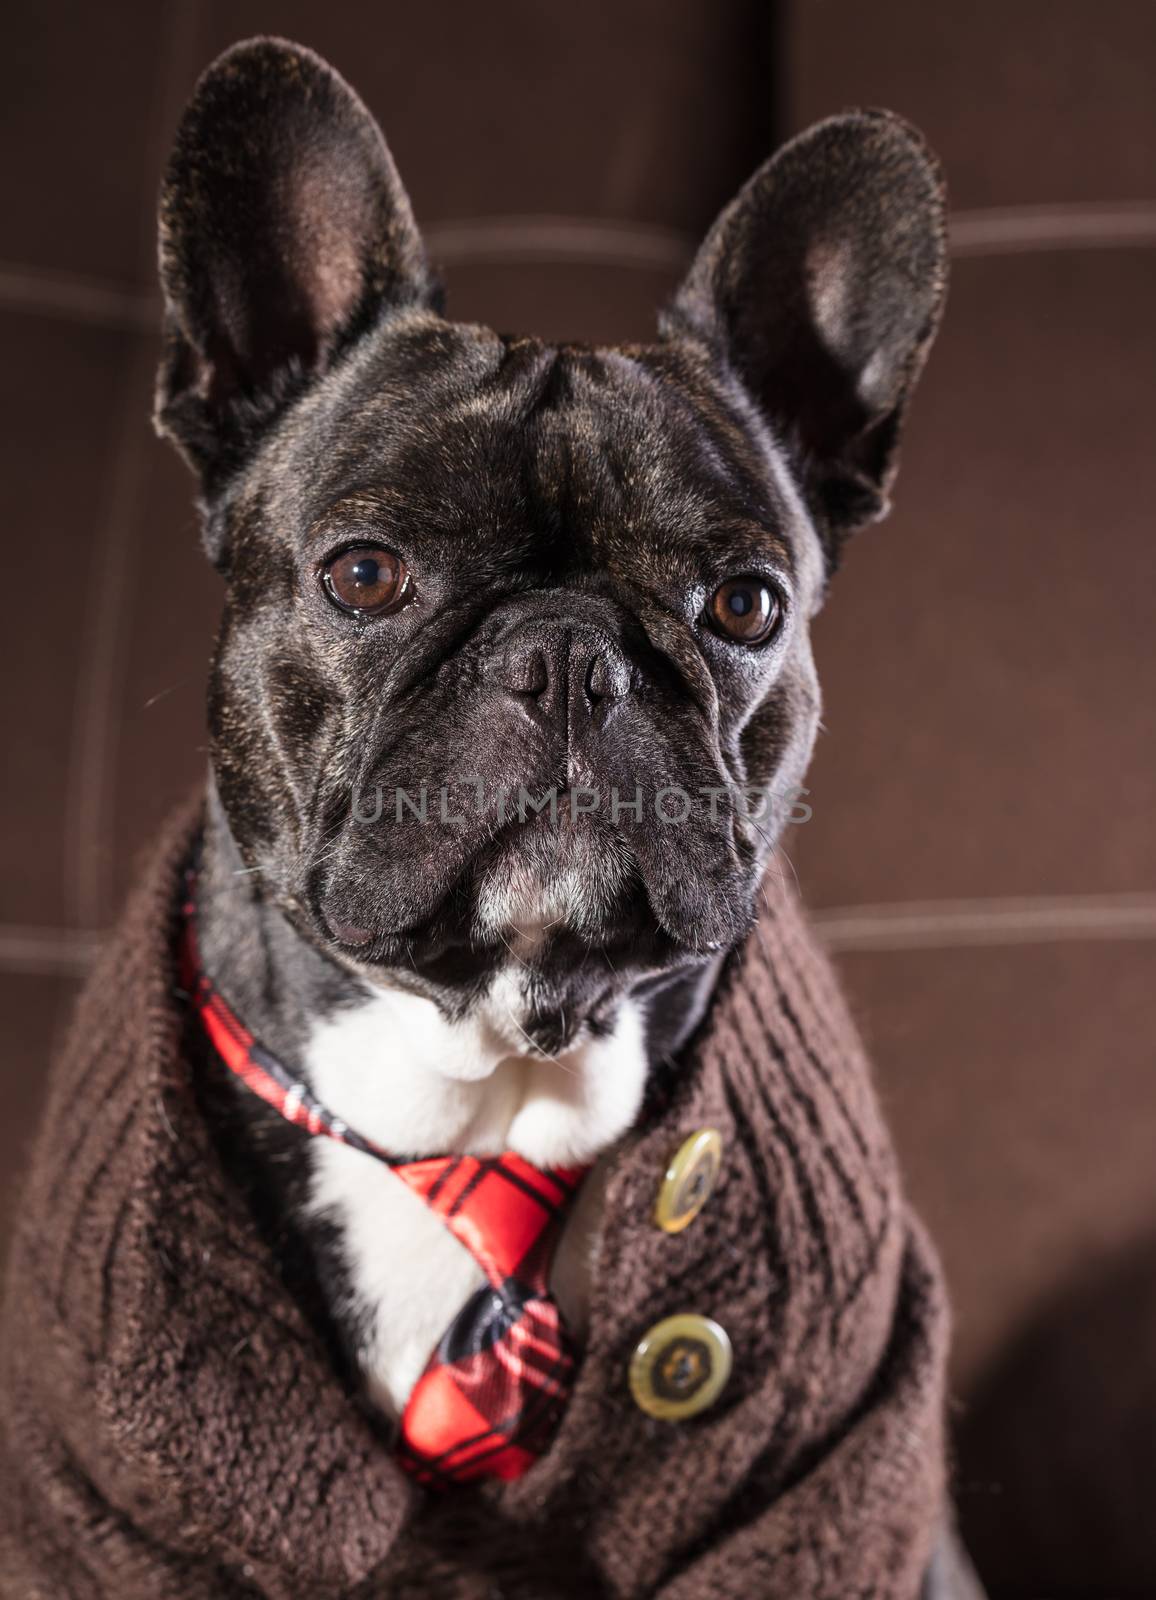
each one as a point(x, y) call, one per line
point(222, 1399)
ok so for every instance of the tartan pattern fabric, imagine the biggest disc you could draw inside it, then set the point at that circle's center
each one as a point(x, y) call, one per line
point(495, 1386)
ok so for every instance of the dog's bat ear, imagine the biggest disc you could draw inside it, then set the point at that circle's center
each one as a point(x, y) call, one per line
point(821, 286)
point(284, 233)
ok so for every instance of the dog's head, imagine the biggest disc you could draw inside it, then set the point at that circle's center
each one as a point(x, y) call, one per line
point(515, 649)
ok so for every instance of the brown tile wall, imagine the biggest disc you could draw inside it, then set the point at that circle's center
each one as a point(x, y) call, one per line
point(985, 796)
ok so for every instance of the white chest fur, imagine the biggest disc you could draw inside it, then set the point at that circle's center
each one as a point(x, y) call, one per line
point(396, 1071)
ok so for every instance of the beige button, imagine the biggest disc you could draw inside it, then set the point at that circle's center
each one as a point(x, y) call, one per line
point(689, 1180)
point(680, 1367)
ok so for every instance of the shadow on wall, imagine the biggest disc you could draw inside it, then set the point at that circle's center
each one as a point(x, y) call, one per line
point(1058, 1438)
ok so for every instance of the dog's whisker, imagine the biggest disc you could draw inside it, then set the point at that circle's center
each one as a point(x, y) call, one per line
point(162, 694)
point(543, 1055)
point(778, 853)
point(523, 964)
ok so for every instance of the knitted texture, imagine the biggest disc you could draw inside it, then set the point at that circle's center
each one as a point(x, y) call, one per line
point(171, 1427)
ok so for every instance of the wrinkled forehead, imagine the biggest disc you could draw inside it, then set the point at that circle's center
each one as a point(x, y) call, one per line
point(464, 431)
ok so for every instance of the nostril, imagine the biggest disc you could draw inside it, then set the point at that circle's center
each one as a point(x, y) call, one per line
point(525, 670)
point(608, 676)
point(553, 664)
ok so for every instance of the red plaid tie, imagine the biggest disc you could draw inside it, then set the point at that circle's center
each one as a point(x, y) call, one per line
point(493, 1390)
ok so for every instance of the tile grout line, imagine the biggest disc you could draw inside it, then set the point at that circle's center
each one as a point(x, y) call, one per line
point(42, 291)
point(904, 925)
point(86, 800)
point(90, 781)
point(1014, 230)
point(47, 952)
point(996, 231)
point(959, 925)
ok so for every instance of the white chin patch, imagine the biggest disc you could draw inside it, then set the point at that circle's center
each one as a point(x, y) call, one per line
point(559, 881)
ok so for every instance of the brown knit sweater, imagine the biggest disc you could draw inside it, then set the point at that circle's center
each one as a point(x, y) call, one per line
point(172, 1427)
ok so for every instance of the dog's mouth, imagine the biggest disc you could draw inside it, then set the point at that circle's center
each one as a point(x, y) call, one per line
point(563, 870)
point(558, 889)
point(524, 893)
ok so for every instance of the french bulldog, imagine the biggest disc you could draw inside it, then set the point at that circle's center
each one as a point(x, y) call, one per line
point(513, 691)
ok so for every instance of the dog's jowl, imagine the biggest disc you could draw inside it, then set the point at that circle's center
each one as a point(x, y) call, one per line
point(463, 1178)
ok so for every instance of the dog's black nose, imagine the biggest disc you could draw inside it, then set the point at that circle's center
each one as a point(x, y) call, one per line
point(559, 669)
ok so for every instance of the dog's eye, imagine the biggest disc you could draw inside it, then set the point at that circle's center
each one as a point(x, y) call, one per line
point(367, 579)
point(746, 609)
